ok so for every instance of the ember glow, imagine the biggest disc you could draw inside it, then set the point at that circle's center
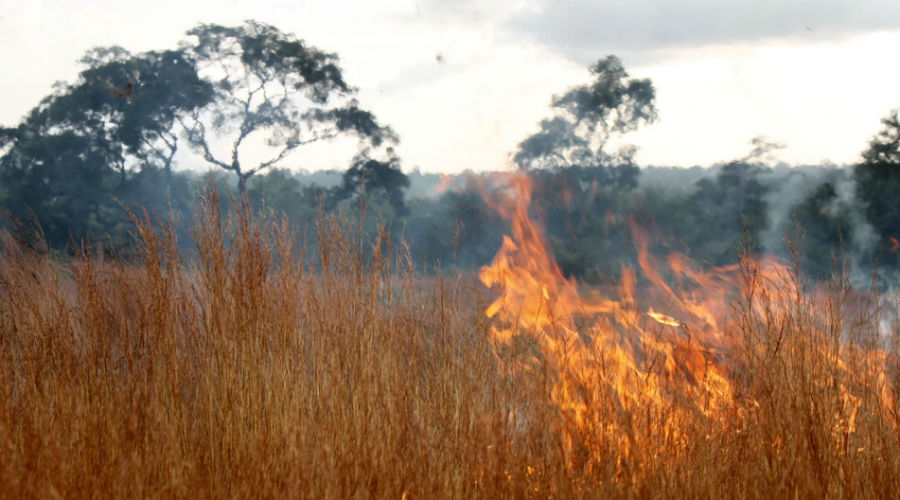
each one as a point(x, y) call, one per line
point(674, 351)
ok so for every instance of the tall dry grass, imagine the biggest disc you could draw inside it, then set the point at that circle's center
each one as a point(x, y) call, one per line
point(244, 370)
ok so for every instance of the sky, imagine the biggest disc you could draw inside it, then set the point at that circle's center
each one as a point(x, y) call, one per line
point(463, 82)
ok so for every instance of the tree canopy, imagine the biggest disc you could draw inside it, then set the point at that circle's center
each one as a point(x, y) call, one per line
point(251, 91)
point(273, 88)
point(878, 188)
point(584, 120)
point(369, 177)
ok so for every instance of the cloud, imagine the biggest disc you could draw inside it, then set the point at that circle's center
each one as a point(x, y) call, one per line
point(587, 29)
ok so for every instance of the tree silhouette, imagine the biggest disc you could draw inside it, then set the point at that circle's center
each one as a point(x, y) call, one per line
point(272, 93)
point(370, 178)
point(586, 117)
point(878, 188)
point(140, 126)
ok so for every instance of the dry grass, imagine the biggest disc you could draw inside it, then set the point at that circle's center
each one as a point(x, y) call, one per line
point(241, 372)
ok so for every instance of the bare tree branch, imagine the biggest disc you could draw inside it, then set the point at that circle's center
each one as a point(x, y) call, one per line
point(199, 139)
point(266, 164)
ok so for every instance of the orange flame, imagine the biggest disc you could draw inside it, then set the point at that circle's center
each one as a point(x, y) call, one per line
point(610, 350)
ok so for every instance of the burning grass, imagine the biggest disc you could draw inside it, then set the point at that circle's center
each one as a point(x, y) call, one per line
point(243, 372)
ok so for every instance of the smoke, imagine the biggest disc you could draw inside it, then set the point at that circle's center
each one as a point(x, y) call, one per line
point(789, 189)
point(862, 236)
point(806, 202)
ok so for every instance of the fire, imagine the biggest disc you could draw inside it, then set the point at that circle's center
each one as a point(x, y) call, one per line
point(662, 318)
point(447, 182)
point(616, 358)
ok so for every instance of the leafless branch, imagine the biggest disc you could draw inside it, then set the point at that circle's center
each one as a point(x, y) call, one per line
point(198, 137)
point(266, 164)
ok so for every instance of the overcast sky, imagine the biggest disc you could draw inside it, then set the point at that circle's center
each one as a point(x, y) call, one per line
point(816, 76)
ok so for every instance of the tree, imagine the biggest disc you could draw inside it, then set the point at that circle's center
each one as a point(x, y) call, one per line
point(370, 178)
point(112, 136)
point(130, 102)
point(98, 142)
point(272, 93)
point(166, 88)
point(725, 214)
point(878, 188)
point(584, 120)
point(885, 146)
point(825, 221)
point(583, 209)
point(63, 181)
point(458, 229)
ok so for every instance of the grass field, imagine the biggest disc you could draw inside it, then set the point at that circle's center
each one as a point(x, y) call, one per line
point(241, 371)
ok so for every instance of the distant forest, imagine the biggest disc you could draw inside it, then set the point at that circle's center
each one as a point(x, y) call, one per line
point(103, 149)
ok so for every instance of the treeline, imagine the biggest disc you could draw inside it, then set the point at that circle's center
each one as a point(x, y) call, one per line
point(244, 99)
point(826, 216)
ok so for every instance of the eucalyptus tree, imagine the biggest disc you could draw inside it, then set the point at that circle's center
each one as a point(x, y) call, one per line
point(76, 155)
point(114, 134)
point(272, 94)
point(586, 117)
point(128, 102)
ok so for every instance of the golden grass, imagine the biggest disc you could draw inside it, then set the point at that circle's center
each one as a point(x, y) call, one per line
point(242, 372)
